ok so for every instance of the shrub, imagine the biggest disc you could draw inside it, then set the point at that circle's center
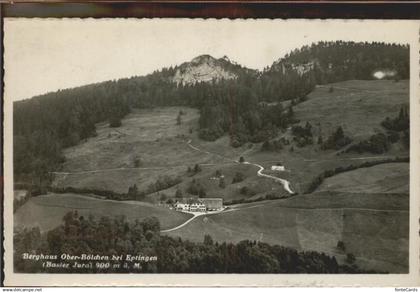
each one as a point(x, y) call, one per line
point(302, 135)
point(137, 162)
point(115, 122)
point(239, 176)
point(341, 246)
point(222, 183)
point(275, 145)
point(197, 168)
point(246, 191)
point(350, 258)
point(399, 123)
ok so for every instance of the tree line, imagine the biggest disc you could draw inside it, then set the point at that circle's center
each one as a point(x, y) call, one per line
point(104, 236)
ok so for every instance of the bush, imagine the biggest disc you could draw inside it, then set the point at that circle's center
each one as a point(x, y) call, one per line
point(393, 136)
point(399, 123)
point(137, 162)
point(246, 191)
point(210, 134)
point(197, 168)
point(302, 135)
point(222, 183)
point(115, 122)
point(341, 246)
point(239, 176)
point(275, 145)
point(350, 258)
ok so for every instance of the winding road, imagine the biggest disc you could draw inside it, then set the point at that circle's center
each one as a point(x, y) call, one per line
point(285, 183)
point(183, 224)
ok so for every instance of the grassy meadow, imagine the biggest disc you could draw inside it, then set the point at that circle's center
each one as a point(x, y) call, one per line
point(47, 211)
point(373, 227)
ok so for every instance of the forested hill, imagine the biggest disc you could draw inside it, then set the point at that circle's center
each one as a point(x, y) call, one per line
point(232, 99)
point(339, 61)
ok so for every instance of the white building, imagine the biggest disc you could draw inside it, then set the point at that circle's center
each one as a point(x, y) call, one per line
point(278, 168)
point(182, 206)
point(197, 207)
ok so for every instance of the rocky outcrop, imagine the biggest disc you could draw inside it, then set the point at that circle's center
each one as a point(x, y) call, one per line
point(203, 68)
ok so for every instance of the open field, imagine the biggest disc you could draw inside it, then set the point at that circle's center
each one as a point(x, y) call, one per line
point(357, 105)
point(378, 237)
point(383, 178)
point(47, 211)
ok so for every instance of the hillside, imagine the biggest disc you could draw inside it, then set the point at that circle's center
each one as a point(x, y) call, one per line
point(358, 107)
point(151, 145)
point(45, 125)
point(372, 228)
point(47, 212)
point(211, 128)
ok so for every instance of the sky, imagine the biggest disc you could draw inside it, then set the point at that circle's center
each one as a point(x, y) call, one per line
point(43, 55)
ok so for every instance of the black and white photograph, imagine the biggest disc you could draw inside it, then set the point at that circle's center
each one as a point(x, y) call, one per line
point(193, 146)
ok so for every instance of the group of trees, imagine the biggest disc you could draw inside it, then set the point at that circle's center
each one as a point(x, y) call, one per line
point(397, 125)
point(195, 188)
point(162, 183)
point(397, 129)
point(302, 135)
point(193, 171)
point(238, 177)
point(377, 144)
point(272, 145)
point(336, 140)
point(107, 237)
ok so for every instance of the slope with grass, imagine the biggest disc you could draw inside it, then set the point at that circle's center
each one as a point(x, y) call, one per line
point(383, 178)
point(47, 211)
point(150, 145)
point(357, 106)
point(373, 227)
